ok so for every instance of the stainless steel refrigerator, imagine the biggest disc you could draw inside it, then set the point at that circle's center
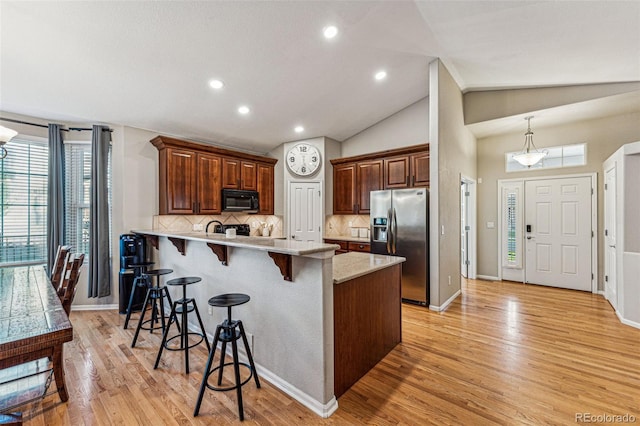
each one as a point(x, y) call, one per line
point(400, 227)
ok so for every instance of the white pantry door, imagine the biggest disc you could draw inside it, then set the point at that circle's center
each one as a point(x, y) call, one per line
point(558, 232)
point(610, 277)
point(305, 210)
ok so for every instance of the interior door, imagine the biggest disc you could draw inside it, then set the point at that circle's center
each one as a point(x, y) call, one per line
point(558, 232)
point(305, 210)
point(464, 230)
point(610, 276)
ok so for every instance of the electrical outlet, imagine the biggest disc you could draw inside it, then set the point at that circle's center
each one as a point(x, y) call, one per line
point(210, 310)
point(350, 224)
point(198, 227)
point(449, 277)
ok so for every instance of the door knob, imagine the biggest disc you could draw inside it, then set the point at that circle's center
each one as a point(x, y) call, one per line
point(529, 237)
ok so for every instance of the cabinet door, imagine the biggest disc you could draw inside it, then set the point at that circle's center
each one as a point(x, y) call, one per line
point(209, 188)
point(231, 173)
point(181, 181)
point(420, 169)
point(369, 178)
point(265, 188)
point(363, 247)
point(248, 175)
point(344, 189)
point(396, 172)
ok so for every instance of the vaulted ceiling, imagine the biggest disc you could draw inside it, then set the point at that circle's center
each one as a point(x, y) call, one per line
point(148, 64)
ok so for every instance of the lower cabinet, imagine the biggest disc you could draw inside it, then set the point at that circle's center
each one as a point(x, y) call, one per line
point(347, 246)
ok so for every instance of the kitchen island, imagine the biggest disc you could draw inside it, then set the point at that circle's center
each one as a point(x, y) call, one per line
point(290, 318)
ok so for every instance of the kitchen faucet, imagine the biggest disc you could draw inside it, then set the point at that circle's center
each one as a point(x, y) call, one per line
point(206, 230)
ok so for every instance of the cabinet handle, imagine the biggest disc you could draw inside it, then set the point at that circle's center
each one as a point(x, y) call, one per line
point(193, 207)
point(413, 180)
point(361, 246)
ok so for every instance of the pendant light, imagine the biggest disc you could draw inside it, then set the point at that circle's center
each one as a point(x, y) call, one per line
point(529, 154)
point(6, 135)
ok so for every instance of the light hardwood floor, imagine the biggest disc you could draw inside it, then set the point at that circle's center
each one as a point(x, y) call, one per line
point(503, 353)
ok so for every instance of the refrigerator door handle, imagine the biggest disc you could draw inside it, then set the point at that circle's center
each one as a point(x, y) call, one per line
point(389, 232)
point(395, 230)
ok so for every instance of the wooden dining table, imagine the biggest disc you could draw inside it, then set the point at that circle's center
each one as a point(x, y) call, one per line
point(33, 324)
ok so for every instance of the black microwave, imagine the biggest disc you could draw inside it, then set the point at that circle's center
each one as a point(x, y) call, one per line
point(234, 200)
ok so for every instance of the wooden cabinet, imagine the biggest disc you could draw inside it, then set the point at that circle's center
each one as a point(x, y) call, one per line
point(344, 245)
point(192, 176)
point(407, 171)
point(265, 188)
point(354, 178)
point(369, 177)
point(344, 189)
point(178, 180)
point(239, 174)
point(420, 169)
point(352, 184)
point(356, 246)
point(347, 246)
point(208, 184)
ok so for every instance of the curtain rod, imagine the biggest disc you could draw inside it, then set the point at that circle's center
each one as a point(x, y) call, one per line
point(75, 129)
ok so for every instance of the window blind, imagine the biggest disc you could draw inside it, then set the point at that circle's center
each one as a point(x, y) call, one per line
point(23, 198)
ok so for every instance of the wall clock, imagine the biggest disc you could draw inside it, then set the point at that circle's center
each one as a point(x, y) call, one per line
point(303, 159)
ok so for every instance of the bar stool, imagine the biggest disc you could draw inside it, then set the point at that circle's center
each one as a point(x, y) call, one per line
point(155, 295)
point(140, 280)
point(183, 307)
point(225, 333)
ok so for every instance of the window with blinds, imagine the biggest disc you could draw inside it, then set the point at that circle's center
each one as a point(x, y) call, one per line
point(77, 195)
point(23, 198)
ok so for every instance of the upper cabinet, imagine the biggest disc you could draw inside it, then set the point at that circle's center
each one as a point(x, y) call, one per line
point(192, 176)
point(355, 177)
point(239, 174)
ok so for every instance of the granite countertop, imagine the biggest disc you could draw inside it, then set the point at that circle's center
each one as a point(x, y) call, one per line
point(347, 238)
point(292, 247)
point(352, 265)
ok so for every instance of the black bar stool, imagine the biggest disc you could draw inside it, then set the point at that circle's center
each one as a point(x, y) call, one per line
point(225, 333)
point(140, 280)
point(183, 307)
point(155, 295)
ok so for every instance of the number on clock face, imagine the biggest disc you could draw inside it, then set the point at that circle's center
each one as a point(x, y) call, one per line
point(303, 159)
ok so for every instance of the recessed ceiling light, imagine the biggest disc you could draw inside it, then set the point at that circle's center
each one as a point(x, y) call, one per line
point(299, 129)
point(244, 110)
point(330, 31)
point(381, 75)
point(216, 84)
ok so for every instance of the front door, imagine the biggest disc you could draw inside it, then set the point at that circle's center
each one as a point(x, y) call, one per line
point(558, 232)
point(610, 277)
point(305, 210)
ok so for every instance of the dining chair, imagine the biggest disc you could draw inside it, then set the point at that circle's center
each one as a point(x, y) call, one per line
point(58, 265)
point(67, 288)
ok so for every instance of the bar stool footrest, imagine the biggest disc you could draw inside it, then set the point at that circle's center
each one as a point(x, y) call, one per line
point(225, 389)
point(191, 333)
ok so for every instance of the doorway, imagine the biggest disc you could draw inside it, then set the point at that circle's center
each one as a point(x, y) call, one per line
point(467, 227)
point(547, 231)
point(610, 233)
point(305, 211)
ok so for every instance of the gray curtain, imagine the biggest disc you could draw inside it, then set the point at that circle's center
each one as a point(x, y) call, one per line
point(99, 233)
point(55, 194)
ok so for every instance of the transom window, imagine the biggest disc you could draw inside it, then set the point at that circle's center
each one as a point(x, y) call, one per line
point(558, 156)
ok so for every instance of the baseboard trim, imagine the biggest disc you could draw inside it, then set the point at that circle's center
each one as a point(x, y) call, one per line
point(94, 307)
point(322, 410)
point(487, 278)
point(626, 321)
point(446, 304)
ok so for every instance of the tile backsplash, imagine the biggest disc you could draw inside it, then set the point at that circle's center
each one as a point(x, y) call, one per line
point(338, 225)
point(184, 223)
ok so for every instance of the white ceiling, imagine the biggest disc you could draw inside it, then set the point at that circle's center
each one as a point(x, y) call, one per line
point(147, 64)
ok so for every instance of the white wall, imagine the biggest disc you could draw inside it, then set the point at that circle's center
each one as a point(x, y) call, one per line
point(603, 137)
point(409, 126)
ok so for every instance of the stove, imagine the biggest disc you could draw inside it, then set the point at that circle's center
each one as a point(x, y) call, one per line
point(241, 229)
